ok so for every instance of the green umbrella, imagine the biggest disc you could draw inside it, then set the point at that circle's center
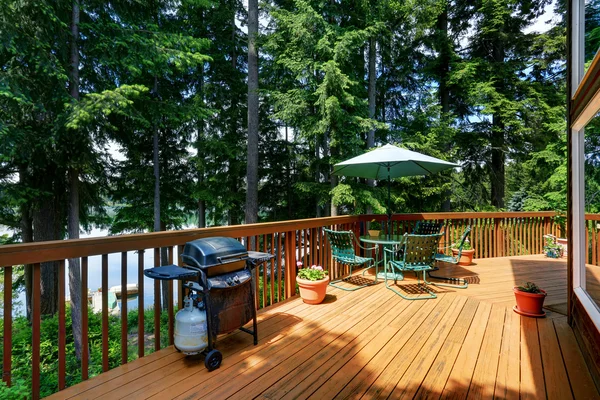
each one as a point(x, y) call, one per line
point(389, 162)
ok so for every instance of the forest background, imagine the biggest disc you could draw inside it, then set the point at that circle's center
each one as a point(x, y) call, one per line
point(137, 116)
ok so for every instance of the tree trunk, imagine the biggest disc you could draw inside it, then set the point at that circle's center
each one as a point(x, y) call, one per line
point(288, 174)
point(497, 175)
point(164, 260)
point(317, 175)
point(44, 222)
point(444, 68)
point(498, 141)
point(27, 237)
point(371, 93)
point(73, 218)
point(252, 166)
point(156, 174)
point(334, 181)
point(199, 151)
point(372, 89)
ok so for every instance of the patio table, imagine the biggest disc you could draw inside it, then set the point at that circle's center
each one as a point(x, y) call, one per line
point(387, 241)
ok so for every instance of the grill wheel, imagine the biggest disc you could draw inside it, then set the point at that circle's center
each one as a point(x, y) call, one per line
point(213, 360)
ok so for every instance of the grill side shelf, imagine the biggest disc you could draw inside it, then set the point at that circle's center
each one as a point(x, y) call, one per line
point(170, 272)
point(257, 257)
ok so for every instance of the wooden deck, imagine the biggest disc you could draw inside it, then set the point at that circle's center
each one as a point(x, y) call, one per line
point(373, 344)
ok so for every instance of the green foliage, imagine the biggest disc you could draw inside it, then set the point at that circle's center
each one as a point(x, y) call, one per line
point(530, 287)
point(375, 225)
point(21, 349)
point(18, 390)
point(314, 273)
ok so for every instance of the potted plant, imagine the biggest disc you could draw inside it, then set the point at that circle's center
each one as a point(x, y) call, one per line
point(530, 300)
point(374, 228)
point(552, 248)
point(466, 256)
point(312, 283)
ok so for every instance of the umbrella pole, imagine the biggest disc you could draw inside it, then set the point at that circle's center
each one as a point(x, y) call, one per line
point(389, 213)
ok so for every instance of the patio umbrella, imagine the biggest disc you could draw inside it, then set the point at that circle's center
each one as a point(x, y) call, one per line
point(389, 162)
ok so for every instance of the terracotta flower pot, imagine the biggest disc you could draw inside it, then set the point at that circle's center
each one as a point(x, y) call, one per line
point(466, 257)
point(530, 304)
point(312, 292)
point(374, 232)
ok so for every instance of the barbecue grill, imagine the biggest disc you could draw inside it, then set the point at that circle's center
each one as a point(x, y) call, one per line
point(219, 269)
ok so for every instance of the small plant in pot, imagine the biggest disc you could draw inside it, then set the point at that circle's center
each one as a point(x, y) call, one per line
point(530, 300)
point(466, 255)
point(552, 249)
point(374, 228)
point(312, 283)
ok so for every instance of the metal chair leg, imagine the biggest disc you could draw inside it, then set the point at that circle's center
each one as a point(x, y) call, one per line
point(431, 295)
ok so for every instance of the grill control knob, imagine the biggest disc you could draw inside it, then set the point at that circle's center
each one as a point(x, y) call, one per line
point(236, 279)
point(229, 281)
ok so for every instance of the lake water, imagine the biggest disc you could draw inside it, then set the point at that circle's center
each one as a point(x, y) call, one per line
point(114, 274)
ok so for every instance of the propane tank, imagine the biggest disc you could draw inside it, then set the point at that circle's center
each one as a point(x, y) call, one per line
point(191, 334)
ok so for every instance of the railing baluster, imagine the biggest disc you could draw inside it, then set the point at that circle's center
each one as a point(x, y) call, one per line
point(7, 349)
point(84, 319)
point(141, 337)
point(280, 260)
point(104, 312)
point(272, 266)
point(180, 289)
point(124, 307)
point(62, 330)
point(597, 248)
point(170, 304)
point(264, 268)
point(157, 308)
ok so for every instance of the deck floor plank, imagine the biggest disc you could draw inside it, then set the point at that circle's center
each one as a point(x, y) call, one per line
point(532, 375)
point(416, 313)
point(555, 374)
point(437, 376)
point(387, 380)
point(373, 344)
point(484, 377)
point(235, 365)
point(581, 381)
point(457, 385)
point(507, 380)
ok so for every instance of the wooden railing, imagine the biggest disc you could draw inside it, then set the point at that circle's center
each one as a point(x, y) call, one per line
point(493, 235)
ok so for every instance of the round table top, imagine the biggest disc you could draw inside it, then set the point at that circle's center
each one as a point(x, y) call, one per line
point(383, 239)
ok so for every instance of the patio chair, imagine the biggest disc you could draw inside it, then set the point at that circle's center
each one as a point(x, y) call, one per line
point(342, 249)
point(418, 257)
point(427, 228)
point(423, 228)
point(449, 258)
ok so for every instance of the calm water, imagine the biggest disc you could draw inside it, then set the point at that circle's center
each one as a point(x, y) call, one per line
point(114, 275)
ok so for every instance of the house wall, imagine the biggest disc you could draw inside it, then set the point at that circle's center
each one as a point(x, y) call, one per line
point(588, 338)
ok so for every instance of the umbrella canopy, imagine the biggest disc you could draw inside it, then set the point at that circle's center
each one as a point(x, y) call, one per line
point(401, 162)
point(389, 162)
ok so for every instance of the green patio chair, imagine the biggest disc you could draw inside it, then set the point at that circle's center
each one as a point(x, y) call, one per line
point(423, 228)
point(418, 256)
point(449, 258)
point(427, 228)
point(342, 249)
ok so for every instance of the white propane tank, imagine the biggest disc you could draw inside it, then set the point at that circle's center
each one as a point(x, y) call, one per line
point(191, 332)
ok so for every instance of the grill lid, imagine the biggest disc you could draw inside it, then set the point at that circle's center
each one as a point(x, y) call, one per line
point(208, 252)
